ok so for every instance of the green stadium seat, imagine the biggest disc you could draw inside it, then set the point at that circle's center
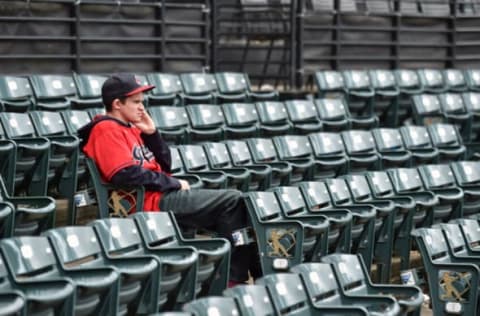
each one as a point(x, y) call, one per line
point(32, 157)
point(295, 149)
point(386, 96)
point(16, 94)
point(360, 93)
point(322, 287)
point(432, 81)
point(199, 88)
point(455, 80)
point(89, 91)
point(78, 247)
point(456, 113)
point(333, 113)
point(471, 101)
point(446, 138)
point(241, 120)
point(236, 87)
point(171, 122)
point(328, 150)
point(417, 140)
point(121, 238)
point(206, 122)
point(273, 118)
point(8, 157)
point(44, 291)
point(213, 305)
point(453, 284)
point(467, 177)
point(409, 84)
point(219, 159)
point(260, 174)
point(64, 157)
point(168, 89)
point(280, 240)
point(472, 77)
point(427, 109)
point(303, 116)
point(390, 148)
point(32, 259)
point(353, 277)
point(160, 232)
point(330, 84)
point(252, 299)
point(178, 170)
point(361, 150)
point(52, 92)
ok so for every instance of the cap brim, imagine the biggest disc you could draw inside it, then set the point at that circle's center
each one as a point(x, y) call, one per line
point(140, 89)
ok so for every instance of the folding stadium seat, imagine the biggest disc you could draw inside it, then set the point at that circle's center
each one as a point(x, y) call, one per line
point(74, 120)
point(322, 288)
point(78, 247)
point(329, 153)
point(196, 179)
point(160, 232)
point(195, 162)
point(361, 151)
point(453, 284)
point(318, 201)
point(360, 93)
point(456, 113)
point(236, 87)
point(472, 76)
point(52, 92)
point(34, 297)
point(330, 84)
point(303, 116)
point(390, 148)
point(212, 305)
point(426, 109)
point(455, 80)
point(447, 140)
point(386, 96)
point(409, 84)
point(241, 120)
point(33, 152)
point(206, 122)
point(6, 220)
point(353, 277)
point(457, 244)
point(168, 89)
point(114, 200)
point(407, 182)
point(365, 219)
point(8, 157)
point(333, 113)
point(263, 151)
point(295, 149)
point(417, 141)
point(252, 299)
point(280, 240)
point(199, 88)
point(315, 240)
point(467, 176)
point(95, 111)
point(16, 94)
point(32, 259)
point(471, 101)
point(382, 189)
point(388, 214)
point(64, 156)
point(432, 81)
point(273, 118)
point(219, 159)
point(31, 214)
point(179, 264)
point(171, 122)
point(440, 180)
point(89, 91)
point(290, 297)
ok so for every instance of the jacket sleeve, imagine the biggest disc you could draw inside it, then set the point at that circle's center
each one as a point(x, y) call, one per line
point(151, 180)
point(160, 150)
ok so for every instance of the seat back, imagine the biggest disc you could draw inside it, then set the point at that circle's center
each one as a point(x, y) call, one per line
point(466, 172)
point(331, 109)
point(380, 183)
point(213, 305)
point(326, 144)
point(316, 195)
point(405, 179)
point(266, 206)
point(291, 201)
point(168, 117)
point(262, 149)
point(388, 139)
point(432, 244)
point(356, 80)
point(382, 79)
point(427, 109)
point(359, 187)
point(253, 300)
point(301, 111)
point(292, 146)
point(118, 236)
point(287, 292)
point(89, 86)
point(48, 123)
point(239, 152)
point(407, 79)
point(454, 238)
point(52, 86)
point(198, 83)
point(158, 229)
point(471, 101)
point(231, 82)
point(473, 78)
point(205, 116)
point(194, 158)
point(471, 232)
point(17, 125)
point(350, 272)
point(338, 191)
point(165, 83)
point(415, 137)
point(240, 114)
point(437, 176)
point(452, 103)
point(329, 81)
point(217, 154)
point(16, 93)
point(444, 135)
point(272, 112)
point(431, 79)
point(75, 119)
point(358, 142)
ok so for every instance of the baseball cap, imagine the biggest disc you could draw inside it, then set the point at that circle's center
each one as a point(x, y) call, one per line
point(122, 85)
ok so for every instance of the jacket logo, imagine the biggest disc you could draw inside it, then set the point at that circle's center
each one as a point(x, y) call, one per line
point(142, 153)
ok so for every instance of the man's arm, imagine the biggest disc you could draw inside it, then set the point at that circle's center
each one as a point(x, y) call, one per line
point(153, 181)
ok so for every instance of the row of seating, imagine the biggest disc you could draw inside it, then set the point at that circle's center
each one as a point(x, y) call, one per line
point(450, 255)
point(136, 265)
point(460, 109)
point(62, 91)
point(339, 285)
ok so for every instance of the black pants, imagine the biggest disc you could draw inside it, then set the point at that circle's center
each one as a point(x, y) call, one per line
point(222, 211)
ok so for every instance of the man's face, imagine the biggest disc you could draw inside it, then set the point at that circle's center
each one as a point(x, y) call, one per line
point(132, 109)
